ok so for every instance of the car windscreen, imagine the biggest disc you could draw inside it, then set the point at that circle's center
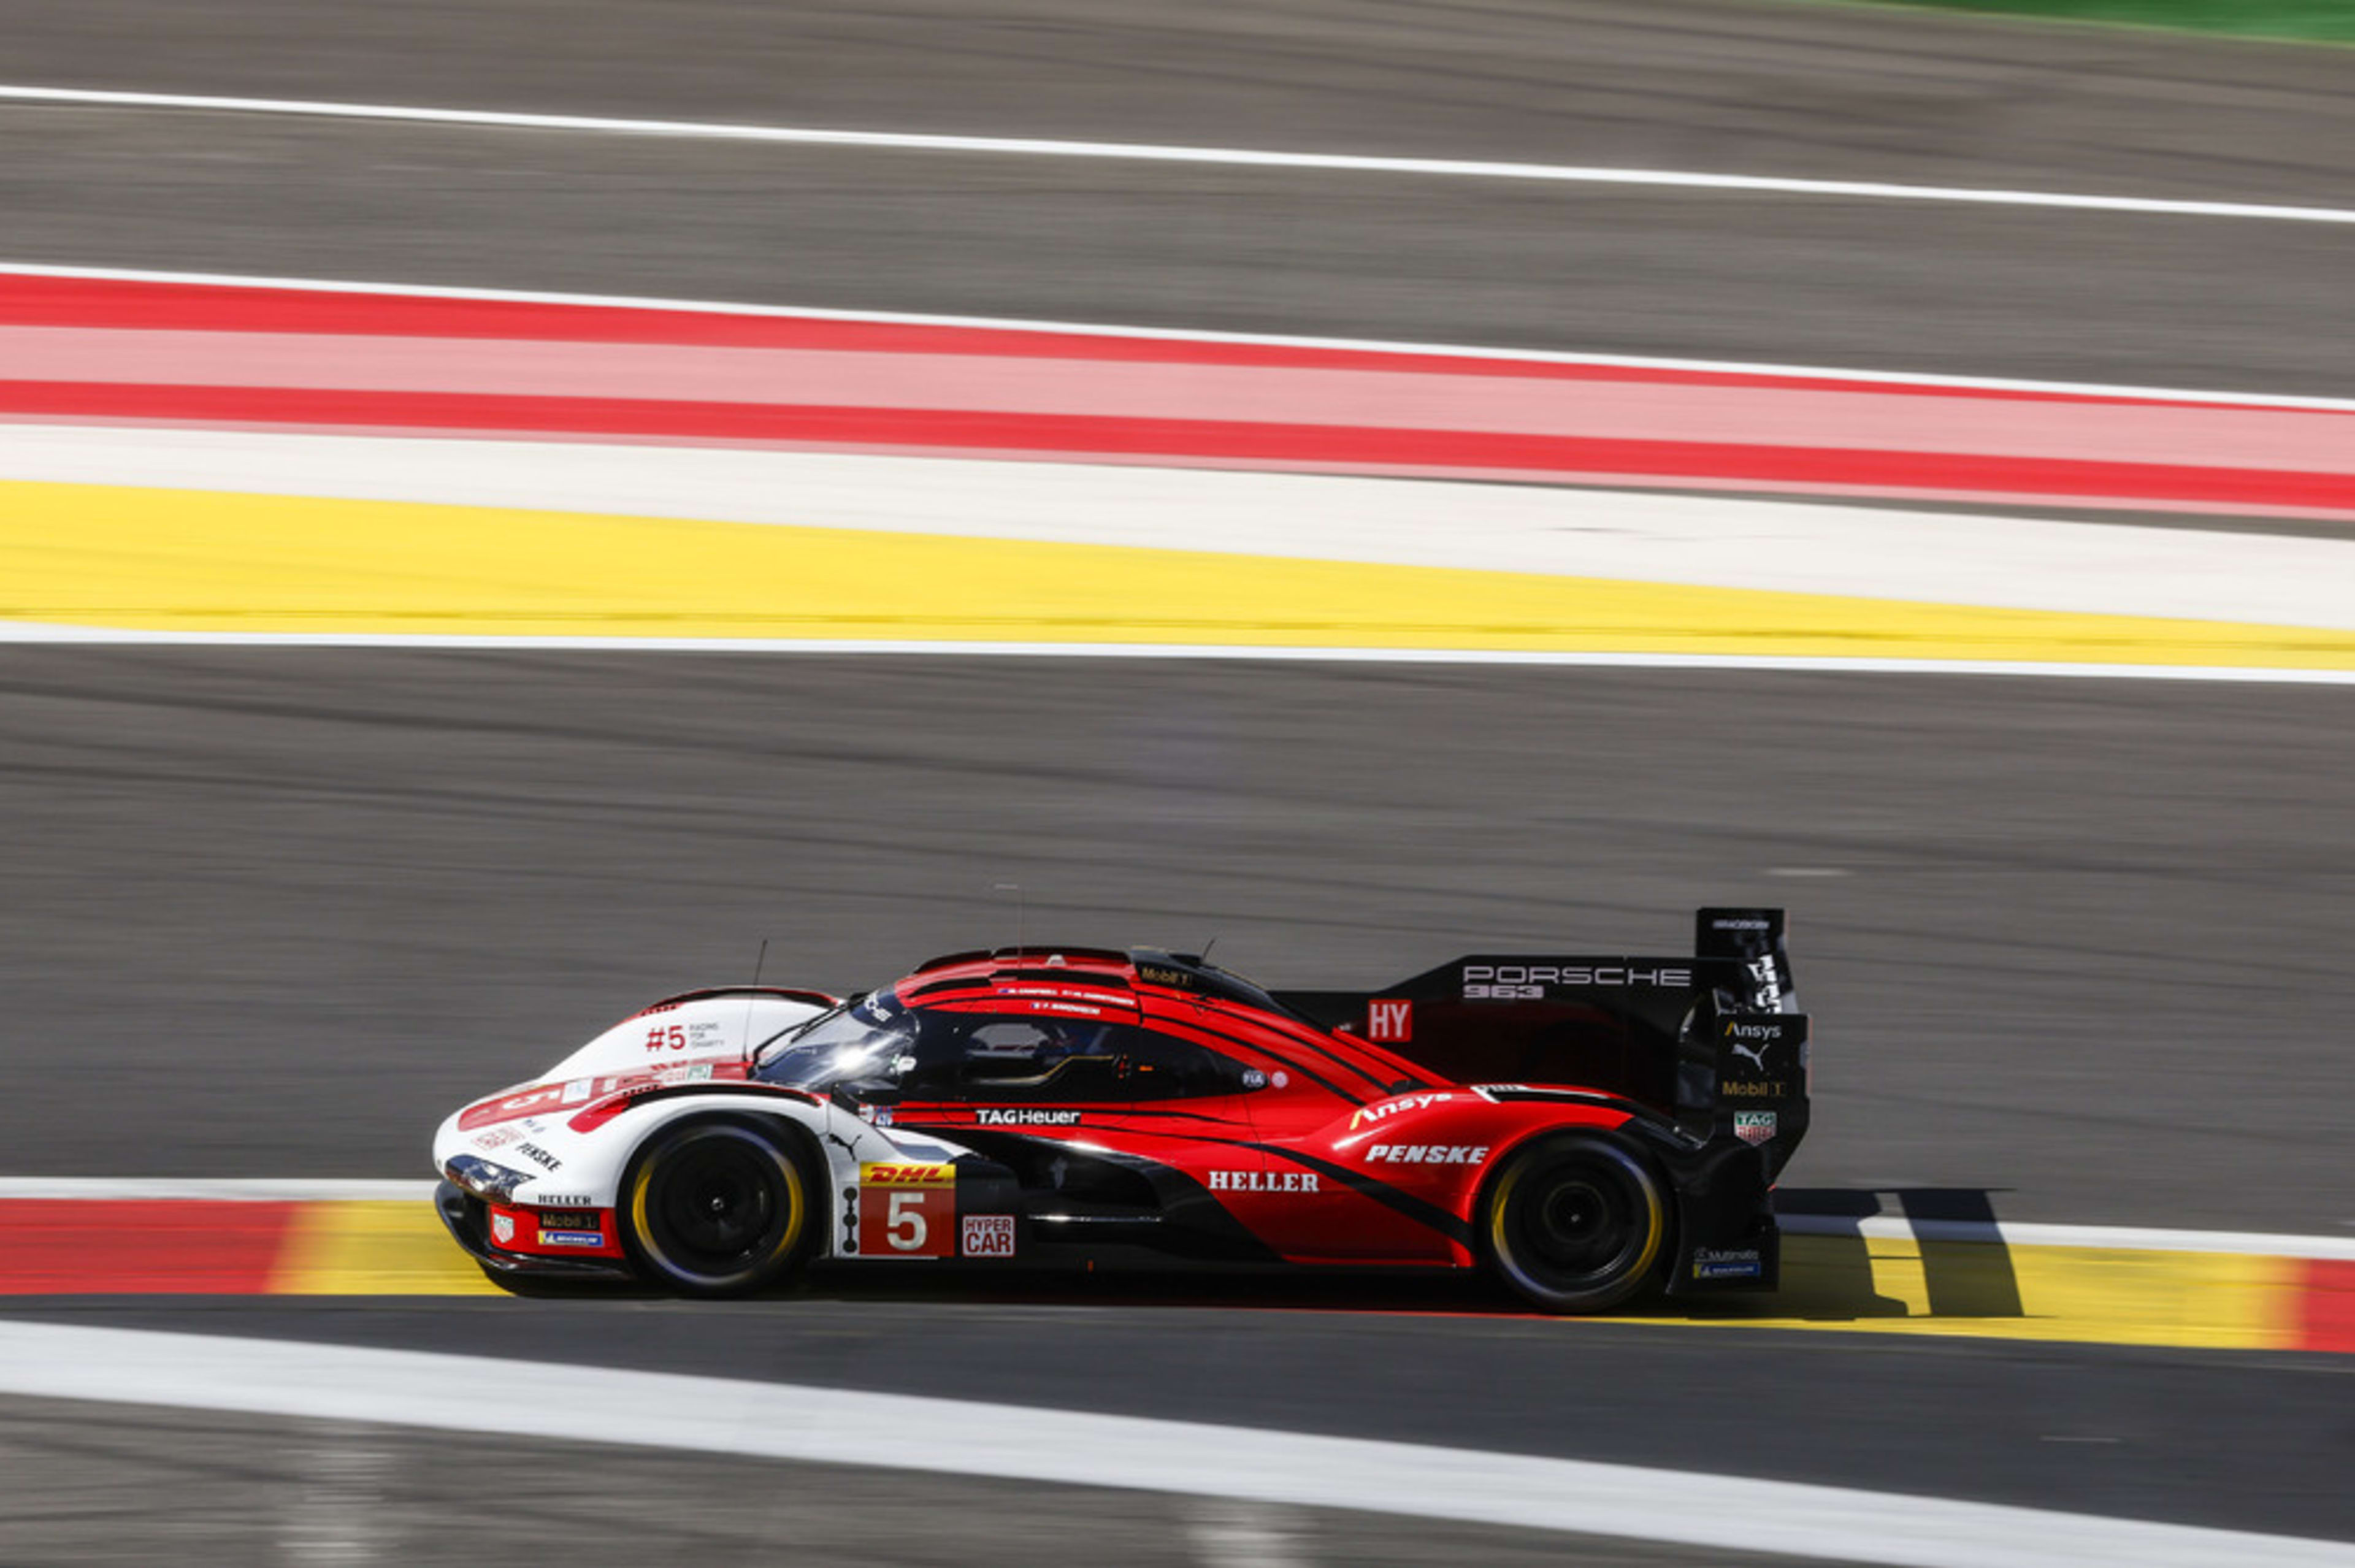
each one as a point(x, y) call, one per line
point(864, 1039)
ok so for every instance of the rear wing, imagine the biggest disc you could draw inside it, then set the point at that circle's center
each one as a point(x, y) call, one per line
point(1714, 1041)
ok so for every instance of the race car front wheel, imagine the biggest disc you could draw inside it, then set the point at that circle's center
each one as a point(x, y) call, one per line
point(1576, 1223)
point(718, 1208)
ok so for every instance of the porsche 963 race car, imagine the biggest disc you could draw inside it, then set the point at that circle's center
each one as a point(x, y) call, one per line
point(1588, 1127)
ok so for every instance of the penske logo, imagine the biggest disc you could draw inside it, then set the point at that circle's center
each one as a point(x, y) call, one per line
point(1425, 1154)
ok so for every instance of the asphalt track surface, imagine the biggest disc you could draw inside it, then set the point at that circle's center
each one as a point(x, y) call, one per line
point(2246, 1442)
point(319, 898)
point(209, 1489)
point(2081, 958)
point(1830, 92)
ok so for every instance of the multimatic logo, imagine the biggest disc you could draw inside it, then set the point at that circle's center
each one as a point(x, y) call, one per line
point(1027, 1118)
point(1727, 1263)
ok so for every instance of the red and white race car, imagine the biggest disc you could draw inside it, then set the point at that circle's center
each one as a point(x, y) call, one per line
point(1588, 1127)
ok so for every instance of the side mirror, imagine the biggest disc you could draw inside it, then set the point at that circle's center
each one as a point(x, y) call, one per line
point(860, 1092)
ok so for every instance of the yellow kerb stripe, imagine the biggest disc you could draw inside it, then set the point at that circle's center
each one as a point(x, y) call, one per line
point(1972, 1290)
point(374, 1248)
point(1976, 1290)
point(186, 560)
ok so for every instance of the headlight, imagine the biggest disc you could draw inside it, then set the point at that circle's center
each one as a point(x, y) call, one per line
point(484, 1180)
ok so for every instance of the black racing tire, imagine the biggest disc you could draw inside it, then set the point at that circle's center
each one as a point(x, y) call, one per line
point(1577, 1222)
point(720, 1206)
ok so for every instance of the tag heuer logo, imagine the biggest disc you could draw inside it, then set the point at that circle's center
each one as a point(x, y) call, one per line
point(1754, 1127)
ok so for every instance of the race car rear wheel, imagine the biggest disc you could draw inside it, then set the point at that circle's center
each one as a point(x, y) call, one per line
point(1576, 1223)
point(718, 1207)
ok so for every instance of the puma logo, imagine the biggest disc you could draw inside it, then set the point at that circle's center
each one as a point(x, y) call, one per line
point(1756, 1054)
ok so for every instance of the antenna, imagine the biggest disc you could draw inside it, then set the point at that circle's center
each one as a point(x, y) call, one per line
point(1206, 950)
point(1019, 909)
point(758, 965)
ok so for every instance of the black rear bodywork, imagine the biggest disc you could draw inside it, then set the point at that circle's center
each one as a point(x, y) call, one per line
point(1709, 1049)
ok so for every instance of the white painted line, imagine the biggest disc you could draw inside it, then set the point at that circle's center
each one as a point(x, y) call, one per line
point(200, 1189)
point(1777, 545)
point(824, 1425)
point(1141, 151)
point(112, 636)
point(1183, 334)
point(2092, 1238)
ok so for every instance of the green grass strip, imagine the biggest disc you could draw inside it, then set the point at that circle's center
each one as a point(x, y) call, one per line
point(2325, 21)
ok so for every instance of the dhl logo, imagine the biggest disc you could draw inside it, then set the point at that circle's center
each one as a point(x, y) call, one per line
point(907, 1175)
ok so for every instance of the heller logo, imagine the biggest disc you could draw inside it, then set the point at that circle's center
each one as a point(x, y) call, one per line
point(1263, 1181)
point(1390, 1022)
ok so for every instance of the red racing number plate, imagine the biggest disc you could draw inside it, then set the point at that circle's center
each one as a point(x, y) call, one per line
point(907, 1211)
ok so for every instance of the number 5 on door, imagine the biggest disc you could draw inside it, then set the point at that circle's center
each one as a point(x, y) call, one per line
point(907, 1211)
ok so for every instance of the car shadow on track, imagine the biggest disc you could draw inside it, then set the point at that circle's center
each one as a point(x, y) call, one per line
point(1954, 1264)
